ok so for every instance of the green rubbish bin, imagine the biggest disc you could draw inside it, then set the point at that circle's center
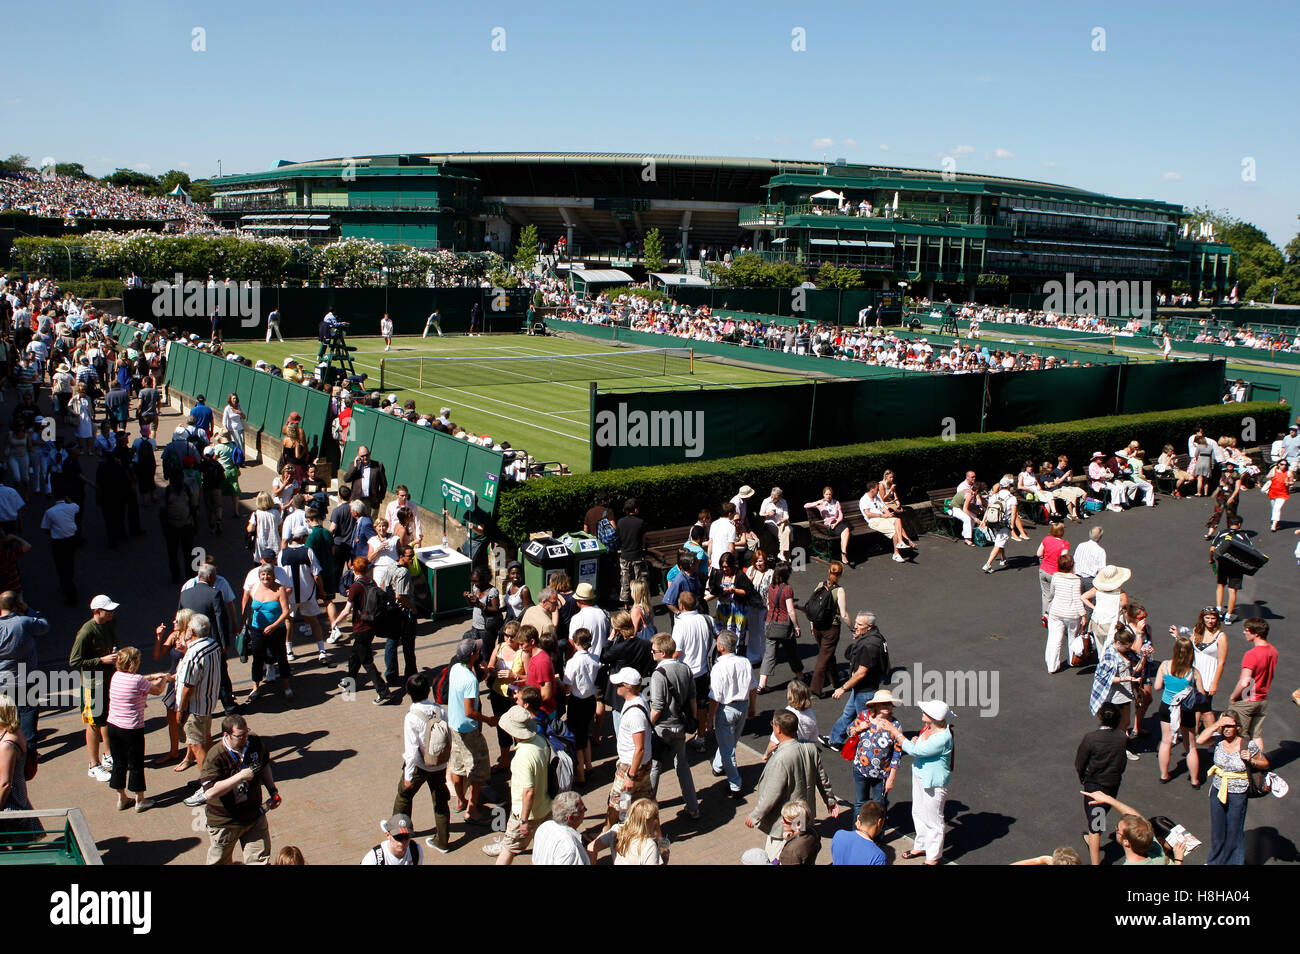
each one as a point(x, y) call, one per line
point(542, 557)
point(590, 560)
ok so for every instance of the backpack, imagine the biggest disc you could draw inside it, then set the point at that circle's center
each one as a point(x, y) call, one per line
point(993, 515)
point(438, 683)
point(212, 472)
point(172, 460)
point(374, 603)
point(559, 770)
point(821, 607)
point(436, 740)
point(291, 558)
point(606, 532)
point(382, 859)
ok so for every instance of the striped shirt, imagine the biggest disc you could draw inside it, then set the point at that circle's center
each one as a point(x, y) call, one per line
point(200, 669)
point(127, 694)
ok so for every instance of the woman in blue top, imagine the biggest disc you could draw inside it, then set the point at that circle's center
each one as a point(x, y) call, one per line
point(931, 753)
point(267, 606)
point(1177, 674)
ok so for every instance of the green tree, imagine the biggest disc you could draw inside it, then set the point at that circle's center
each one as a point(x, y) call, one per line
point(526, 250)
point(171, 179)
point(130, 177)
point(200, 191)
point(654, 251)
point(16, 163)
point(74, 170)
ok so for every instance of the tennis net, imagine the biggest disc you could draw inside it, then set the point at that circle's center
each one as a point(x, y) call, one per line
point(416, 373)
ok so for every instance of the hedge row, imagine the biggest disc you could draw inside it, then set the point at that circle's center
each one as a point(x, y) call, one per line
point(671, 495)
point(1079, 439)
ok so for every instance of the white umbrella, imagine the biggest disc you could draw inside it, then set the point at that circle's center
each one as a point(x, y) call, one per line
point(895, 201)
point(828, 194)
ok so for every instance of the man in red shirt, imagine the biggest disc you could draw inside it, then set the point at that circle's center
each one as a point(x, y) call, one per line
point(1250, 697)
point(540, 671)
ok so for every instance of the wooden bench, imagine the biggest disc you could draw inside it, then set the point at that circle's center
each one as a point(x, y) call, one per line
point(1167, 482)
point(945, 524)
point(824, 544)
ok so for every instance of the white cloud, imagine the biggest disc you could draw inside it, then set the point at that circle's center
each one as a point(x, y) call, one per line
point(1173, 177)
point(850, 143)
point(1049, 163)
point(823, 143)
point(141, 166)
point(182, 165)
point(782, 140)
point(962, 150)
point(1001, 153)
point(885, 147)
point(13, 101)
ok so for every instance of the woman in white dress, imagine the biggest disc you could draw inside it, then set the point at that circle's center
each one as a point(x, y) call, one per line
point(232, 419)
point(84, 408)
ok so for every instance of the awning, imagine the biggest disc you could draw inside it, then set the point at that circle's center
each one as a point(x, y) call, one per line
point(222, 195)
point(679, 278)
point(602, 276)
point(778, 241)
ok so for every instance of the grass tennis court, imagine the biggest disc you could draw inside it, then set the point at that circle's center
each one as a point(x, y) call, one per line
point(541, 403)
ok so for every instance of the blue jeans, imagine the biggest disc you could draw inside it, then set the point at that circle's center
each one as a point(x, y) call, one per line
point(727, 726)
point(853, 707)
point(868, 790)
point(1227, 829)
point(27, 716)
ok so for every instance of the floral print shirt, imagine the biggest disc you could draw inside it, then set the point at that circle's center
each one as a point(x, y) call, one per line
point(877, 754)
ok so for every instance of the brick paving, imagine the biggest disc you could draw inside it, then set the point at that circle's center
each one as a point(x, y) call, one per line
point(336, 760)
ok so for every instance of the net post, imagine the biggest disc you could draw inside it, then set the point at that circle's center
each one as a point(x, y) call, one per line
point(421, 373)
point(381, 375)
point(692, 369)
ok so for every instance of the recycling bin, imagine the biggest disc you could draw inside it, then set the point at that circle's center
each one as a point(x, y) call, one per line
point(542, 557)
point(591, 560)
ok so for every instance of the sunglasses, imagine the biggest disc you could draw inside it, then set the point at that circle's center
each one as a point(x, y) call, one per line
point(400, 837)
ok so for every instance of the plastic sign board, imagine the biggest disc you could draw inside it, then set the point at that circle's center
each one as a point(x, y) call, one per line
point(489, 487)
point(585, 545)
point(455, 493)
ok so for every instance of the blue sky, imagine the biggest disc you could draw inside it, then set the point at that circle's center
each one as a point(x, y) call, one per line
point(1181, 95)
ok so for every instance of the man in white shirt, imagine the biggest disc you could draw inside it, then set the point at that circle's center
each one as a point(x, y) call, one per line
point(1000, 530)
point(632, 775)
point(722, 535)
point(1089, 558)
point(61, 522)
point(419, 767)
point(693, 636)
point(304, 587)
point(591, 618)
point(558, 841)
point(732, 692)
point(398, 848)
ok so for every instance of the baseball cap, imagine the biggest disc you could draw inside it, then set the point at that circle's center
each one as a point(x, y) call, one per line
point(466, 648)
point(102, 602)
point(627, 676)
point(399, 824)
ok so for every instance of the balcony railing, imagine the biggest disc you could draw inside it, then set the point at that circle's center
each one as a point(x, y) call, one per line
point(766, 216)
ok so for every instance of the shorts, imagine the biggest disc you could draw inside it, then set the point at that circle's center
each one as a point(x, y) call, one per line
point(580, 716)
point(883, 525)
point(1000, 536)
point(1094, 816)
point(469, 756)
point(1227, 579)
point(198, 729)
point(307, 608)
point(93, 710)
point(514, 842)
point(1206, 706)
point(640, 785)
point(1251, 715)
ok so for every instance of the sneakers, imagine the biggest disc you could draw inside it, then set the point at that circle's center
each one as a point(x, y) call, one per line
point(197, 799)
point(1230, 618)
point(493, 848)
point(323, 656)
point(107, 762)
point(288, 693)
point(986, 568)
point(826, 741)
point(288, 654)
point(430, 842)
point(383, 700)
point(98, 773)
point(1132, 756)
point(898, 559)
point(335, 635)
point(1116, 508)
point(253, 696)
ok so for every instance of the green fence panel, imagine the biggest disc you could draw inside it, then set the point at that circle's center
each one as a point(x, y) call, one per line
point(188, 366)
point(256, 408)
point(413, 464)
point(482, 475)
point(360, 431)
point(177, 360)
point(848, 412)
point(276, 400)
point(1036, 397)
point(315, 417)
point(387, 443)
point(1169, 385)
point(448, 461)
point(243, 386)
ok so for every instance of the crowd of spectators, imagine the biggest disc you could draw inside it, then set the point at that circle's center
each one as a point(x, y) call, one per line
point(73, 199)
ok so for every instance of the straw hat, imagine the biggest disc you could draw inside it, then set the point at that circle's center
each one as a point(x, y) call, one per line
point(1111, 578)
point(517, 724)
point(585, 592)
point(883, 696)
